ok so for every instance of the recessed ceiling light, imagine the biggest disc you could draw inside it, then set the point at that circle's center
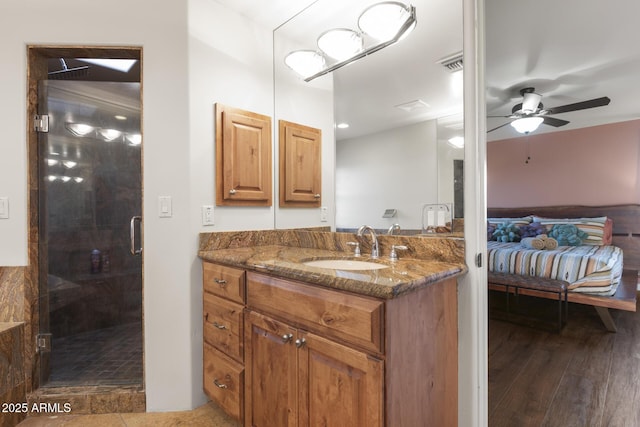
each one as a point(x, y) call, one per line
point(342, 125)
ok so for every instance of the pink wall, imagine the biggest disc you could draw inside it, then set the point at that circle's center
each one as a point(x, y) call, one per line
point(599, 165)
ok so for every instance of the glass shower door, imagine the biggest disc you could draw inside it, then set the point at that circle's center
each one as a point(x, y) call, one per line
point(90, 188)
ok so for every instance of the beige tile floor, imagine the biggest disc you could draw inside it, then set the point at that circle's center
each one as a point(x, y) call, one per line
point(206, 415)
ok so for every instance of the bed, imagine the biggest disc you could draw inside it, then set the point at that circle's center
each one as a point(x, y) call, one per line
point(601, 271)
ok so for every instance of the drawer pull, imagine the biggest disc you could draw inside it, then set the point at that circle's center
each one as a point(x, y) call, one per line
point(218, 325)
point(300, 342)
point(220, 282)
point(287, 338)
point(219, 384)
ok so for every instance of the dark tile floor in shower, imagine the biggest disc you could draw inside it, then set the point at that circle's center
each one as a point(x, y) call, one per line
point(109, 356)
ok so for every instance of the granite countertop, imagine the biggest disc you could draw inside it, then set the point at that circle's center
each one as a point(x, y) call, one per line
point(400, 277)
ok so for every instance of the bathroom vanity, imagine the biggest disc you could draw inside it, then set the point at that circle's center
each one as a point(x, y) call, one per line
point(288, 344)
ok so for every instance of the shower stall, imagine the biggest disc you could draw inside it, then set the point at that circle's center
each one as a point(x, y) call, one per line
point(90, 194)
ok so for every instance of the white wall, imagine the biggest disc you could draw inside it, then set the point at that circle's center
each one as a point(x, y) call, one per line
point(395, 169)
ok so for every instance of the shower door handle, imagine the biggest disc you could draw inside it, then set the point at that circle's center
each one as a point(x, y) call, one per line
point(133, 234)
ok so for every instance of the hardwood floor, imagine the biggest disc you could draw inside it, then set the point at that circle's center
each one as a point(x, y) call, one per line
point(582, 376)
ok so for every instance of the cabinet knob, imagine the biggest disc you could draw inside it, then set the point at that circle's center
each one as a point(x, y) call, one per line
point(219, 384)
point(300, 342)
point(220, 282)
point(317, 196)
point(287, 338)
point(232, 191)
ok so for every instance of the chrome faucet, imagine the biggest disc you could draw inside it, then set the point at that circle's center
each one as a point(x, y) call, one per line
point(394, 227)
point(374, 239)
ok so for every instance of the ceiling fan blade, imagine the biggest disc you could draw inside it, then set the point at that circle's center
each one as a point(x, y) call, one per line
point(598, 102)
point(503, 125)
point(552, 121)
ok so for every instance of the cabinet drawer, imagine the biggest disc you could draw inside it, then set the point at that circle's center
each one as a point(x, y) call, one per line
point(223, 325)
point(226, 282)
point(347, 317)
point(224, 381)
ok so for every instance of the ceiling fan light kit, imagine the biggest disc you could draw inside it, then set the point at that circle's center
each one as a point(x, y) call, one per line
point(386, 22)
point(527, 124)
point(528, 115)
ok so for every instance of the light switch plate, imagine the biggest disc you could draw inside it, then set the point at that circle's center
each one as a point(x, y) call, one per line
point(165, 208)
point(324, 214)
point(207, 215)
point(4, 208)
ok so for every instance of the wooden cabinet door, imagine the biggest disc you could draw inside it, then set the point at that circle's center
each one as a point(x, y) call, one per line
point(300, 165)
point(338, 386)
point(270, 365)
point(243, 158)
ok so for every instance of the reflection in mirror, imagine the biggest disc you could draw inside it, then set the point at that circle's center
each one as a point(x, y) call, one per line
point(397, 102)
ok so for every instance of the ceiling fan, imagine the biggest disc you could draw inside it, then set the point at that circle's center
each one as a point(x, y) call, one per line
point(528, 115)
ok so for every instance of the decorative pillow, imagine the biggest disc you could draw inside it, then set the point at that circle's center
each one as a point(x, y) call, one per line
point(525, 220)
point(490, 229)
point(532, 230)
point(506, 232)
point(568, 234)
point(599, 230)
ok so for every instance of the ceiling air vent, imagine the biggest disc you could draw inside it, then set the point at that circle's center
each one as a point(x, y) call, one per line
point(452, 63)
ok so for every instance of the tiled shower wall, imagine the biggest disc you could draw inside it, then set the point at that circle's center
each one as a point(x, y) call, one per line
point(13, 354)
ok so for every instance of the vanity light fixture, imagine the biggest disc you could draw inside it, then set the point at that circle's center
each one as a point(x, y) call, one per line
point(79, 129)
point(386, 22)
point(527, 124)
point(109, 134)
point(305, 62)
point(340, 43)
point(133, 138)
point(69, 164)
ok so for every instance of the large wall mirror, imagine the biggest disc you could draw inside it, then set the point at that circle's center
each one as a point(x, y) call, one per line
point(402, 104)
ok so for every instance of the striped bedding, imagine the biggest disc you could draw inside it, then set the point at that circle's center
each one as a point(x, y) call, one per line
point(588, 268)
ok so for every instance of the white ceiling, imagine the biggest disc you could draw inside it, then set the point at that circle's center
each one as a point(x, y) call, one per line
point(569, 51)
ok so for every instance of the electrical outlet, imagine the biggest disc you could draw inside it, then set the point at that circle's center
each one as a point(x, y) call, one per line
point(324, 214)
point(207, 215)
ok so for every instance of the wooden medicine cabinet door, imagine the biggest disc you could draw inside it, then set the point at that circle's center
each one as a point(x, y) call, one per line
point(300, 165)
point(243, 157)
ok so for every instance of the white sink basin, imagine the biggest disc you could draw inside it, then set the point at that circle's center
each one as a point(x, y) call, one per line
point(345, 264)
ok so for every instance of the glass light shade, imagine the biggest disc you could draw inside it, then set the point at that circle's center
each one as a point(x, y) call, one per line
point(134, 138)
point(340, 43)
point(65, 178)
point(79, 129)
point(109, 134)
point(527, 124)
point(305, 62)
point(52, 162)
point(69, 164)
point(457, 141)
point(78, 179)
point(382, 21)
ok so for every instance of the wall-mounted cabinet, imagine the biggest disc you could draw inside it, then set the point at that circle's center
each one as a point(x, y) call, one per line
point(243, 158)
point(300, 165)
